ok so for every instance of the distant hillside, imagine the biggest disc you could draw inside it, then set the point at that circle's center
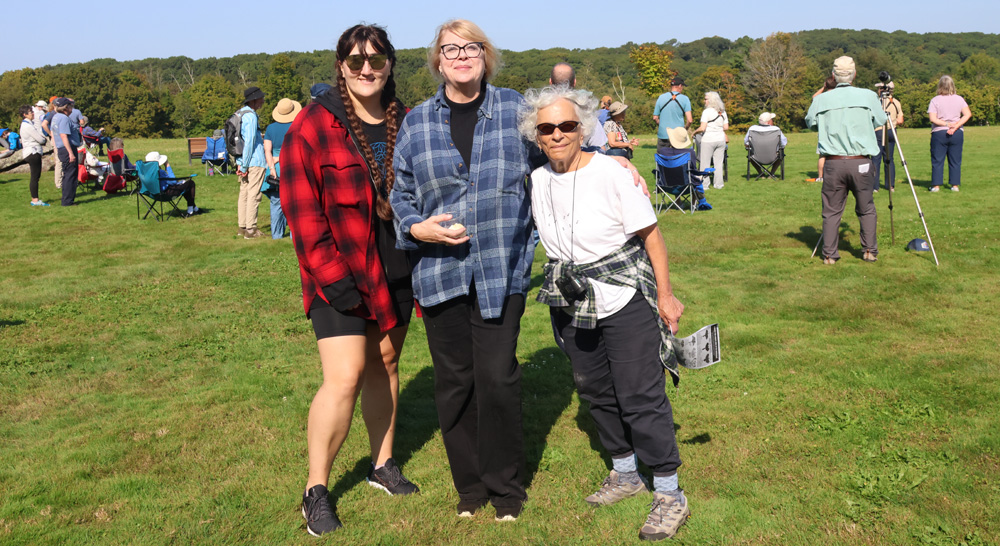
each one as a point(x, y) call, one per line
point(179, 96)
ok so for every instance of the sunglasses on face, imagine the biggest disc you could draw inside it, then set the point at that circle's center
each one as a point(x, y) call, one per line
point(357, 62)
point(564, 127)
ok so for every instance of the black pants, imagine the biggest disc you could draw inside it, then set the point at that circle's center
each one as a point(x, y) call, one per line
point(69, 181)
point(477, 390)
point(187, 188)
point(885, 151)
point(35, 165)
point(617, 370)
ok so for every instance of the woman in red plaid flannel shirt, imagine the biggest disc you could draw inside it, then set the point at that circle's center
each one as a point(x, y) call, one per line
point(336, 176)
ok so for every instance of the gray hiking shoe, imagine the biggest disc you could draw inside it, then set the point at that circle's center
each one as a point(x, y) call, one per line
point(666, 515)
point(617, 487)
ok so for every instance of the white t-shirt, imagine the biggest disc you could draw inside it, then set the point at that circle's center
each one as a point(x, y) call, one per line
point(714, 131)
point(608, 210)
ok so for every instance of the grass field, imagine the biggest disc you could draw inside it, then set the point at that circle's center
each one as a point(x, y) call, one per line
point(155, 379)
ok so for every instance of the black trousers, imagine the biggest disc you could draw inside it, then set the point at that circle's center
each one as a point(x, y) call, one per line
point(477, 390)
point(35, 166)
point(617, 370)
point(186, 188)
point(69, 174)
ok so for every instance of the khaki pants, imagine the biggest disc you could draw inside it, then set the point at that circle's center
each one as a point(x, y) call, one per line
point(58, 169)
point(249, 199)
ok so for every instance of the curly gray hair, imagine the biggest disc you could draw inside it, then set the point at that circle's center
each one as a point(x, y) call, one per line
point(715, 101)
point(584, 104)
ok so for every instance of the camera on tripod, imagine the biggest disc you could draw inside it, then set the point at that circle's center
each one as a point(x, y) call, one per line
point(886, 85)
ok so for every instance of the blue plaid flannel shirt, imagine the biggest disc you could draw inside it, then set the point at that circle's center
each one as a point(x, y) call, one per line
point(490, 198)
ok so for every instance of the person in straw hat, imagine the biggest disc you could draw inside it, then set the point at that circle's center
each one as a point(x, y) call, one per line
point(283, 114)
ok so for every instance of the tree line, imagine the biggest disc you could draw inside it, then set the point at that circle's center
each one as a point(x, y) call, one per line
point(179, 96)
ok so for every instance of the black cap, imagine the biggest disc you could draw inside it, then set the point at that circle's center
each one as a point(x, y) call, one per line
point(62, 101)
point(252, 93)
point(677, 81)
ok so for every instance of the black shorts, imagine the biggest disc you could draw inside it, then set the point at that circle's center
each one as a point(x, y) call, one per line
point(328, 322)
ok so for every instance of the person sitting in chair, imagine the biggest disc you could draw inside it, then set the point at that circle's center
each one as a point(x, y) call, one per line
point(169, 184)
point(94, 136)
point(765, 123)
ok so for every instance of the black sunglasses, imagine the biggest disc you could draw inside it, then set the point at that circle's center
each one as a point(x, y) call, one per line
point(564, 127)
point(357, 62)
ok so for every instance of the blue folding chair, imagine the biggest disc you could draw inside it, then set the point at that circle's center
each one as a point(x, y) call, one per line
point(151, 194)
point(676, 185)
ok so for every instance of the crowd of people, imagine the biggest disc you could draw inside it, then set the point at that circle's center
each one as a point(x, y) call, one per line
point(389, 205)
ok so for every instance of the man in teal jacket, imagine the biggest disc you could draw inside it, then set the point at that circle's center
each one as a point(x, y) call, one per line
point(847, 117)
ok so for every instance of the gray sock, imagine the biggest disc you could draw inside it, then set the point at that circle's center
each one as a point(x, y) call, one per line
point(625, 464)
point(666, 484)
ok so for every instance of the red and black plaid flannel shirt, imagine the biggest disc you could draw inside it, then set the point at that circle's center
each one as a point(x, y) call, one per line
point(327, 194)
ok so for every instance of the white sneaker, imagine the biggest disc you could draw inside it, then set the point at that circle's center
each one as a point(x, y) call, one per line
point(935, 188)
point(954, 188)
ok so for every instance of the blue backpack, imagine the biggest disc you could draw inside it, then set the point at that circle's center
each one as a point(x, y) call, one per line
point(13, 139)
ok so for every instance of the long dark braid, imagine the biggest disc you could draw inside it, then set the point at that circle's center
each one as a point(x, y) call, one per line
point(377, 37)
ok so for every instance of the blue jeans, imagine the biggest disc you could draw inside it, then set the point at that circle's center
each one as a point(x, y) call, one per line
point(942, 145)
point(278, 221)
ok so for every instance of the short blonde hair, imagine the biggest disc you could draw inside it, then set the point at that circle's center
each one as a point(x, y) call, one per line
point(471, 32)
point(946, 85)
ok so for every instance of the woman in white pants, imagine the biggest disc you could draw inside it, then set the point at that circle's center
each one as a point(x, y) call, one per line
point(714, 123)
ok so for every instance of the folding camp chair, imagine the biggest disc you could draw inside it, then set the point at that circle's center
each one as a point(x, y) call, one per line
point(150, 193)
point(89, 170)
point(697, 157)
point(215, 157)
point(118, 176)
point(676, 185)
point(765, 153)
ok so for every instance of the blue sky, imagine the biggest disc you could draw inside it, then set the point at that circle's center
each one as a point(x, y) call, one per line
point(117, 28)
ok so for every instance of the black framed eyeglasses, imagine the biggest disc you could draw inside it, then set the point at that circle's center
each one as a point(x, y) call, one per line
point(357, 62)
point(472, 50)
point(564, 127)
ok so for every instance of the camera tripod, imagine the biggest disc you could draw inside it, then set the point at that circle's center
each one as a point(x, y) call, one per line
point(890, 126)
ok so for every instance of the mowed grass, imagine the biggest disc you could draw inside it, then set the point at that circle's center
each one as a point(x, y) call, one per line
point(155, 378)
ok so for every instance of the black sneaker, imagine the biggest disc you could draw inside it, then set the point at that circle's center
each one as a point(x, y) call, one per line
point(468, 508)
point(320, 516)
point(391, 480)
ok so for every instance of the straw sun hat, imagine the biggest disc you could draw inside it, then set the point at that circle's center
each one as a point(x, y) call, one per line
point(286, 110)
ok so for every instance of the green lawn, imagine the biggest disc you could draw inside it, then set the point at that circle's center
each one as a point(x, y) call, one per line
point(155, 379)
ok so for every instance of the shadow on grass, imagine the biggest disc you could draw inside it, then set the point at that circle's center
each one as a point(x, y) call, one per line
point(8, 323)
point(546, 392)
point(415, 425)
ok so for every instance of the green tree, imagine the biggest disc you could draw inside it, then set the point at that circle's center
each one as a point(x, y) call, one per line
point(17, 87)
point(280, 82)
point(978, 69)
point(212, 99)
point(774, 77)
point(136, 110)
point(653, 66)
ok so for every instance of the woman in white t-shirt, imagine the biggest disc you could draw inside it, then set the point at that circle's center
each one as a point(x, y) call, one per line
point(608, 287)
point(714, 123)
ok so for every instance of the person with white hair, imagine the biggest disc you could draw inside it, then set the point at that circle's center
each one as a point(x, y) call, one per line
point(846, 117)
point(714, 124)
point(948, 112)
point(170, 185)
point(608, 287)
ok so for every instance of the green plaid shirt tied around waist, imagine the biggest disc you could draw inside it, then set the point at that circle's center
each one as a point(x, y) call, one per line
point(627, 266)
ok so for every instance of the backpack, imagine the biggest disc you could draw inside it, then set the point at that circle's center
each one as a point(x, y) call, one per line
point(234, 136)
point(15, 140)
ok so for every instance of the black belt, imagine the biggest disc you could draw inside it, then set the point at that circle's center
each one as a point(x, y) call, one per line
point(847, 157)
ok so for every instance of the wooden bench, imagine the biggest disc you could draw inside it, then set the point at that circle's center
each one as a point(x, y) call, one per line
point(196, 148)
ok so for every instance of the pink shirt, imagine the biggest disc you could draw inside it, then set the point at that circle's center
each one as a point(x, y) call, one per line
point(948, 109)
